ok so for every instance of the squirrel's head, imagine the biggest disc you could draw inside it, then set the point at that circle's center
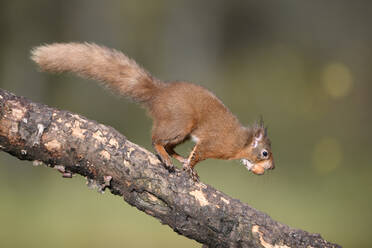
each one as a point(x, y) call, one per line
point(256, 154)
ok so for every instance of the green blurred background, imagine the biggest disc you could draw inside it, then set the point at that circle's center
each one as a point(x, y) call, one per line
point(304, 65)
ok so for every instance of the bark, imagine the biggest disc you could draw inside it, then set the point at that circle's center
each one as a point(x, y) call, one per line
point(73, 144)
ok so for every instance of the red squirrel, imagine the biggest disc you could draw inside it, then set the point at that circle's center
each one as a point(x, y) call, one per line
point(180, 110)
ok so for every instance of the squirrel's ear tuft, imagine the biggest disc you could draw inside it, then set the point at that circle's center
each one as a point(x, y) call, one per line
point(259, 134)
point(260, 130)
point(261, 122)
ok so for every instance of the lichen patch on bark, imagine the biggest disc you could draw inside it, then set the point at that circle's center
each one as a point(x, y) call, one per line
point(78, 118)
point(99, 136)
point(13, 112)
point(13, 128)
point(201, 185)
point(105, 154)
point(76, 131)
point(17, 110)
point(126, 163)
point(225, 200)
point(199, 196)
point(256, 229)
point(53, 145)
point(129, 151)
point(114, 143)
point(18, 113)
point(153, 159)
point(152, 198)
point(40, 131)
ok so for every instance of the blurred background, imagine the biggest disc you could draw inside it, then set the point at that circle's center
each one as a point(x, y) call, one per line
point(305, 66)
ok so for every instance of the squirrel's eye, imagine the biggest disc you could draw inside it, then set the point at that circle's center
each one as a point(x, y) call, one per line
point(265, 153)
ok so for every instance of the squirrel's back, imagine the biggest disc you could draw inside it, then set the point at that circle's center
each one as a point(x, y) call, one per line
point(178, 101)
point(114, 69)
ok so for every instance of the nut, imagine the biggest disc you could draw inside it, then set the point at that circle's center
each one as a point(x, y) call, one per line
point(258, 170)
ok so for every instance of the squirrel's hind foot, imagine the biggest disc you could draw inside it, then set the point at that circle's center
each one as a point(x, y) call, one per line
point(169, 166)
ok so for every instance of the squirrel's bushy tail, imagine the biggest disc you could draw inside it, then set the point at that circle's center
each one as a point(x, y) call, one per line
point(115, 70)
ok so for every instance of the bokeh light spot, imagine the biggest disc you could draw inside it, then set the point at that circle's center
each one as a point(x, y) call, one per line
point(327, 155)
point(337, 80)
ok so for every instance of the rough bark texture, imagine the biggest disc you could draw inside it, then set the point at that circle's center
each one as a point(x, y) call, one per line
point(72, 143)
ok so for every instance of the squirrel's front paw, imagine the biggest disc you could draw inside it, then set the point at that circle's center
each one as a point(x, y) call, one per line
point(192, 173)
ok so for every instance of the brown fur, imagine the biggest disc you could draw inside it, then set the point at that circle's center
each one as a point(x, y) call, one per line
point(179, 110)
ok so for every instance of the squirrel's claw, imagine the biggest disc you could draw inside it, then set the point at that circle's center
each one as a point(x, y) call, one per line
point(168, 165)
point(192, 173)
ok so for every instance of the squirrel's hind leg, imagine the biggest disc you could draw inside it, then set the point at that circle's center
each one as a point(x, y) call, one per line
point(165, 136)
point(164, 156)
point(170, 150)
point(165, 148)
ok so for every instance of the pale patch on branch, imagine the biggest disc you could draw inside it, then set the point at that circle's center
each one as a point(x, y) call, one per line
point(77, 131)
point(199, 196)
point(53, 145)
point(255, 229)
point(105, 154)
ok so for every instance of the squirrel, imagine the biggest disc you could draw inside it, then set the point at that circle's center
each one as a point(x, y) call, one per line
point(180, 110)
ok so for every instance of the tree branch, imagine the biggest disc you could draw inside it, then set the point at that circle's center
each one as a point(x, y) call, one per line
point(74, 144)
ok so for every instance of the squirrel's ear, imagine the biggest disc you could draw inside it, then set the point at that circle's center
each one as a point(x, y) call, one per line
point(254, 143)
point(258, 135)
